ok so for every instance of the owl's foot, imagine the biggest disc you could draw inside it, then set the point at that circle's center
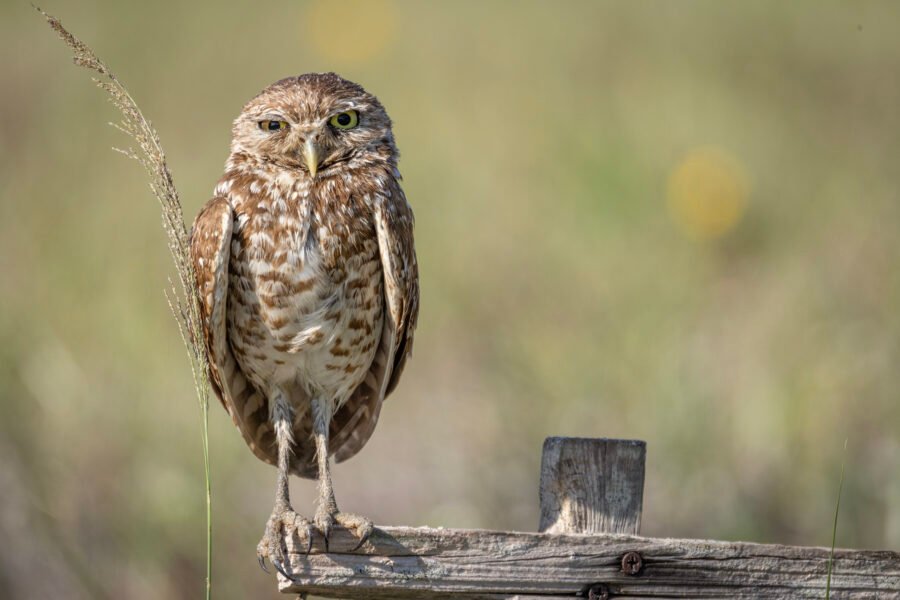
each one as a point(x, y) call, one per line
point(283, 523)
point(361, 527)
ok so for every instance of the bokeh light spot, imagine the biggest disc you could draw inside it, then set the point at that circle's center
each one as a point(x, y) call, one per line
point(707, 193)
point(350, 31)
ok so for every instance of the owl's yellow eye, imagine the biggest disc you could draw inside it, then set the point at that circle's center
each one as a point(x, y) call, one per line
point(345, 120)
point(270, 125)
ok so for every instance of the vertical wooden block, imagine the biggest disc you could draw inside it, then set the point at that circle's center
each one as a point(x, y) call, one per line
point(592, 485)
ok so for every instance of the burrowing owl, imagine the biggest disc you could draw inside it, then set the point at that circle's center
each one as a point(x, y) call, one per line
point(308, 282)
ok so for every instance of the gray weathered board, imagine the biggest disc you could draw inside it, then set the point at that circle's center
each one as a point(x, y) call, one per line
point(401, 562)
point(592, 485)
point(591, 500)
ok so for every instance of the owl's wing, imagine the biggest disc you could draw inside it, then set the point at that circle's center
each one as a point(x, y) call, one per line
point(210, 245)
point(395, 221)
point(353, 423)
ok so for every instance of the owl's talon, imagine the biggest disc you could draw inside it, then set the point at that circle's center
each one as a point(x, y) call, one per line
point(359, 545)
point(304, 529)
point(325, 522)
point(364, 537)
point(280, 569)
point(283, 523)
point(361, 527)
point(326, 534)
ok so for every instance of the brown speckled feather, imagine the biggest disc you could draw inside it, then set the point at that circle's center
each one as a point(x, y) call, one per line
point(354, 421)
point(308, 284)
point(248, 408)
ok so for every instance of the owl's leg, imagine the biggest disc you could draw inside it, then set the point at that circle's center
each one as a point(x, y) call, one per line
point(284, 521)
point(327, 513)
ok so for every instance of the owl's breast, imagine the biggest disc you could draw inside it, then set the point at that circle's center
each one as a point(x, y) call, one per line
point(305, 298)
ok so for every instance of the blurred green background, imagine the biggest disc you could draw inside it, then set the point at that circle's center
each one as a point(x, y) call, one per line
point(672, 221)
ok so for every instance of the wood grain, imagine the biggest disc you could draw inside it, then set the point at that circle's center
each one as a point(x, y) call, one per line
point(402, 562)
point(592, 485)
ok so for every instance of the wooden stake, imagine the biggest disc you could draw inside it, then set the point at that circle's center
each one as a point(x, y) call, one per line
point(592, 485)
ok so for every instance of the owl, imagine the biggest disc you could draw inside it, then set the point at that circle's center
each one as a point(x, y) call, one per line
point(308, 284)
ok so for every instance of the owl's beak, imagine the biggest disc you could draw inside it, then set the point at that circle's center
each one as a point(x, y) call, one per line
point(311, 156)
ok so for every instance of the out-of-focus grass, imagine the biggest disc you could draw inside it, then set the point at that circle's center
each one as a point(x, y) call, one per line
point(837, 513)
point(559, 294)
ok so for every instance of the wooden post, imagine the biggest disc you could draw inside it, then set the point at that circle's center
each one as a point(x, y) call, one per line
point(591, 498)
point(402, 563)
point(592, 485)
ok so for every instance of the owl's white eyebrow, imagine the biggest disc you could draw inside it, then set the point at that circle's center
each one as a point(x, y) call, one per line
point(271, 117)
point(339, 108)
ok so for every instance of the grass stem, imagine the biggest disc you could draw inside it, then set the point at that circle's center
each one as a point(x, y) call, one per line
point(837, 510)
point(183, 300)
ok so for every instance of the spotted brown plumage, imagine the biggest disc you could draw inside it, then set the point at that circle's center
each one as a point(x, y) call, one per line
point(308, 281)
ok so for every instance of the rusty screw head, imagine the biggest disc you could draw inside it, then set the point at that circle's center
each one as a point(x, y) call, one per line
point(598, 591)
point(632, 563)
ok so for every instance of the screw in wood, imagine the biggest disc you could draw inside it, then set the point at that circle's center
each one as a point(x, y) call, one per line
point(632, 563)
point(598, 591)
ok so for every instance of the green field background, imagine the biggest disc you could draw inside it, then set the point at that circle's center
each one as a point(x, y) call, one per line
point(671, 221)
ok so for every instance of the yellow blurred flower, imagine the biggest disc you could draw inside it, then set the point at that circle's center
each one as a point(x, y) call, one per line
point(350, 31)
point(707, 193)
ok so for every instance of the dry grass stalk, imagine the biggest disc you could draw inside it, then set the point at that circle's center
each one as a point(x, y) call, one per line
point(185, 304)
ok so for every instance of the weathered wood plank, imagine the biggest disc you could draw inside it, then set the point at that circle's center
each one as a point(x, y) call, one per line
point(592, 485)
point(431, 564)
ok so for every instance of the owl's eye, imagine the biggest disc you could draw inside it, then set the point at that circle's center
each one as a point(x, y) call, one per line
point(345, 120)
point(270, 125)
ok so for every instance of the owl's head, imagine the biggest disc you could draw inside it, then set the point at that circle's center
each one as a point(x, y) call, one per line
point(316, 123)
